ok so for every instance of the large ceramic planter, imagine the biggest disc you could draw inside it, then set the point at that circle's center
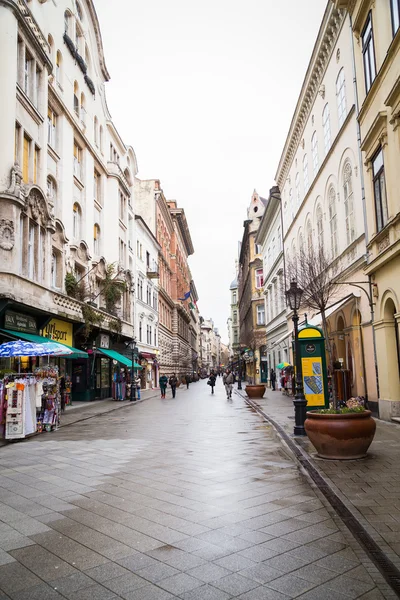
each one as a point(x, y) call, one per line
point(255, 391)
point(340, 436)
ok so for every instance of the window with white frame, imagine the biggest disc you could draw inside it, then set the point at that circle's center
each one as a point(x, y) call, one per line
point(349, 202)
point(96, 239)
point(51, 127)
point(378, 173)
point(76, 98)
point(314, 152)
point(309, 235)
point(305, 173)
point(76, 221)
point(326, 125)
point(368, 51)
point(77, 161)
point(259, 278)
point(297, 186)
point(395, 10)
point(333, 220)
point(52, 191)
point(260, 314)
point(320, 227)
point(58, 68)
point(341, 97)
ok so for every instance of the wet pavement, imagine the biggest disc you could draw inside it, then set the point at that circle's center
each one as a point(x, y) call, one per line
point(193, 498)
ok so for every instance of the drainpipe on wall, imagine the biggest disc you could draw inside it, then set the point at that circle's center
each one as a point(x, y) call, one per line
point(371, 302)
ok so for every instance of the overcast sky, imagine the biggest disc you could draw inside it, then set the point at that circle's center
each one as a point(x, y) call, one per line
point(205, 92)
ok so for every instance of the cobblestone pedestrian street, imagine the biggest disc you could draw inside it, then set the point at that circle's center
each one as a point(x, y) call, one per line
point(192, 498)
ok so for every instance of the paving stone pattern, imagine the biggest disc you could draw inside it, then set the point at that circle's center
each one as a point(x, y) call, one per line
point(370, 487)
point(193, 498)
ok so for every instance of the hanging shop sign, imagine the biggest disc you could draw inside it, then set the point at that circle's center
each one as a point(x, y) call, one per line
point(313, 362)
point(58, 331)
point(19, 322)
point(104, 341)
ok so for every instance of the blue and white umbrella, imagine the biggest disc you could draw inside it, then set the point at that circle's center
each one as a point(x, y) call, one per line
point(22, 348)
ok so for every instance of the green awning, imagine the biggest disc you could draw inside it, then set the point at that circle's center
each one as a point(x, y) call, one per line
point(39, 339)
point(124, 360)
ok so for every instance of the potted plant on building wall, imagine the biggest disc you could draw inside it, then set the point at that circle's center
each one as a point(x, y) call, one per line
point(112, 289)
point(345, 430)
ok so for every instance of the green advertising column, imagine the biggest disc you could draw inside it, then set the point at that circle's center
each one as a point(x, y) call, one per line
point(313, 361)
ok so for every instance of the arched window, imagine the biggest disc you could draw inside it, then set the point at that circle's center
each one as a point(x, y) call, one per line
point(101, 139)
point(341, 97)
point(309, 235)
point(326, 124)
point(76, 222)
point(96, 239)
point(297, 185)
point(301, 242)
point(333, 220)
point(96, 131)
point(314, 152)
point(83, 108)
point(67, 22)
point(79, 11)
point(76, 98)
point(59, 67)
point(305, 173)
point(78, 38)
point(50, 41)
point(349, 202)
point(320, 227)
point(291, 211)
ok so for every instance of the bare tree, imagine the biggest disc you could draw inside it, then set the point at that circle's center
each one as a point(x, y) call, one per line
point(311, 268)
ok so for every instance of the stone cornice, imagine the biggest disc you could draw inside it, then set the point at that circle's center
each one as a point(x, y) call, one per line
point(31, 29)
point(327, 36)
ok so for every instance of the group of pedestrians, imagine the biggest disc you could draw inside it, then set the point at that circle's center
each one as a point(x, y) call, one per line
point(173, 383)
point(228, 380)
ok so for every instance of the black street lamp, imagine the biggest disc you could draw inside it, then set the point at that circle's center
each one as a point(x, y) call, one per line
point(293, 296)
point(131, 345)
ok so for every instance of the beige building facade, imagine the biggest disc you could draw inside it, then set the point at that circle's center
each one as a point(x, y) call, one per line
point(376, 42)
point(321, 184)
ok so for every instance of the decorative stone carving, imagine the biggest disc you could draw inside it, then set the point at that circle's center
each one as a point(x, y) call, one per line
point(15, 180)
point(383, 243)
point(7, 237)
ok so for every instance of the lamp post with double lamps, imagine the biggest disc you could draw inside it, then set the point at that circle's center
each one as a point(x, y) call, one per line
point(293, 296)
point(131, 345)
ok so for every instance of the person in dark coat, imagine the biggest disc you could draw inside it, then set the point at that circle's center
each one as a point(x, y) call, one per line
point(273, 379)
point(173, 382)
point(188, 380)
point(163, 381)
point(211, 381)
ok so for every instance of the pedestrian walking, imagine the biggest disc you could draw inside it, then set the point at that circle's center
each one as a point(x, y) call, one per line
point(188, 380)
point(163, 382)
point(211, 381)
point(272, 377)
point(173, 382)
point(137, 383)
point(228, 380)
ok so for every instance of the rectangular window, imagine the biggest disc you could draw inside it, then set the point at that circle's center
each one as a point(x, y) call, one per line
point(259, 278)
point(17, 142)
point(97, 186)
point(378, 173)
point(26, 158)
point(368, 53)
point(148, 260)
point(260, 314)
point(77, 161)
point(140, 331)
point(36, 165)
point(395, 10)
point(51, 127)
point(122, 206)
point(28, 69)
point(31, 250)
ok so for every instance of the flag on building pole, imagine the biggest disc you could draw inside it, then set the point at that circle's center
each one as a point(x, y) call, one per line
point(186, 296)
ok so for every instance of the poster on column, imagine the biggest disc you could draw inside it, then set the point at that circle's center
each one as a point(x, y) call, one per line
point(313, 381)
